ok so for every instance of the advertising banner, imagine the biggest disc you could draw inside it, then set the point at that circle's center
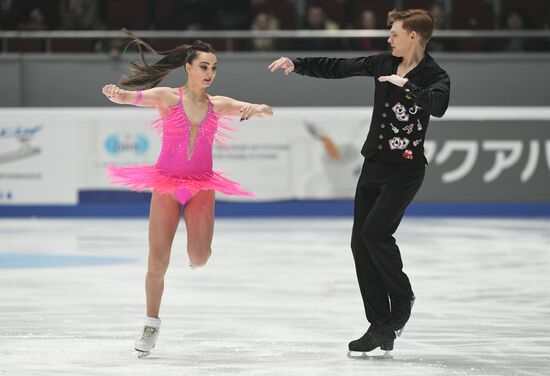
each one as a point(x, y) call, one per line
point(39, 158)
point(474, 154)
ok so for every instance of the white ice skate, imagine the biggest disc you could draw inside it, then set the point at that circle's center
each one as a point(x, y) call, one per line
point(147, 339)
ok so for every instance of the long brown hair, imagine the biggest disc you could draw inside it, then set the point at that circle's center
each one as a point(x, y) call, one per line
point(418, 20)
point(145, 76)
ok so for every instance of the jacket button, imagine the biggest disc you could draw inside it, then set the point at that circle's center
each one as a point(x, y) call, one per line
point(379, 147)
point(382, 126)
point(384, 115)
point(380, 136)
point(386, 104)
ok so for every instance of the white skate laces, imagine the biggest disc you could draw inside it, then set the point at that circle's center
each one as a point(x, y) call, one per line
point(148, 337)
point(148, 333)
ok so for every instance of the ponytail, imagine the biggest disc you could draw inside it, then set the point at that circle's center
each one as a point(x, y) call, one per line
point(147, 76)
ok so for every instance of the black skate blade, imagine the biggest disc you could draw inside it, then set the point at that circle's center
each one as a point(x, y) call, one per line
point(364, 355)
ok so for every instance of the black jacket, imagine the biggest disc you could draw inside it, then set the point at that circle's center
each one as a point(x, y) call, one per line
point(401, 115)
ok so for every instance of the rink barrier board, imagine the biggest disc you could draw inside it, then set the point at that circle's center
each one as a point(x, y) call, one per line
point(482, 161)
point(139, 207)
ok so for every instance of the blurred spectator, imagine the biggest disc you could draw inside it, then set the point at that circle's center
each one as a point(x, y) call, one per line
point(368, 21)
point(316, 19)
point(29, 15)
point(78, 14)
point(546, 26)
point(190, 15)
point(115, 47)
point(516, 20)
point(232, 15)
point(5, 6)
point(264, 21)
point(441, 22)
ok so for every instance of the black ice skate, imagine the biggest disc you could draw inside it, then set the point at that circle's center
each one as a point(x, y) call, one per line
point(375, 337)
point(400, 314)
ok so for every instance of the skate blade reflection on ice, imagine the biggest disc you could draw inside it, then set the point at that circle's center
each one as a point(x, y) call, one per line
point(143, 354)
point(399, 332)
point(364, 355)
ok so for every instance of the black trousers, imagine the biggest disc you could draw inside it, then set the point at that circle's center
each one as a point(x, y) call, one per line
point(383, 193)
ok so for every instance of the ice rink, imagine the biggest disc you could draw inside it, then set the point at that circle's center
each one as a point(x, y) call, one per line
point(277, 297)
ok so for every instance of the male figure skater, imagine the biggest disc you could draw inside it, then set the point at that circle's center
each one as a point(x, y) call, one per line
point(410, 86)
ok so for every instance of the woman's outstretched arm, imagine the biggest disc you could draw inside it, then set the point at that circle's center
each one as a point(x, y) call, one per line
point(233, 107)
point(155, 97)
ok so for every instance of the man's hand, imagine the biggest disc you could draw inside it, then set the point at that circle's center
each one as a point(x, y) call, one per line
point(394, 79)
point(284, 63)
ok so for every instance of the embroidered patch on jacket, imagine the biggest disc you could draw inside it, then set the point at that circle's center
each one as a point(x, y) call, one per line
point(409, 128)
point(394, 128)
point(400, 112)
point(414, 110)
point(399, 143)
point(418, 125)
point(408, 154)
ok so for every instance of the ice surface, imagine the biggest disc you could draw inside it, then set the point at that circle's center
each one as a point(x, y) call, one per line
point(278, 297)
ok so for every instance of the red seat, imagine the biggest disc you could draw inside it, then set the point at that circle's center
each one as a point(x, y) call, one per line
point(472, 14)
point(220, 44)
point(165, 44)
point(418, 4)
point(164, 9)
point(161, 45)
point(26, 45)
point(473, 45)
point(380, 8)
point(72, 45)
point(132, 14)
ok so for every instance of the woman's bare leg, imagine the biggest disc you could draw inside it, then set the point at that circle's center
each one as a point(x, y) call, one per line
point(163, 222)
point(199, 219)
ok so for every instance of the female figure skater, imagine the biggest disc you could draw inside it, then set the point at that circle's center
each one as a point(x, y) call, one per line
point(189, 122)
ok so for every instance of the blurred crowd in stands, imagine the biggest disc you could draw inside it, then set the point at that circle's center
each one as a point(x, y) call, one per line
point(274, 15)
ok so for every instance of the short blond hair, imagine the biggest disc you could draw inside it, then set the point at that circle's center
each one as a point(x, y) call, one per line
point(418, 20)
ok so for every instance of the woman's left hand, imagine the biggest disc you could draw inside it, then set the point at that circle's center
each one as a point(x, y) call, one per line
point(249, 110)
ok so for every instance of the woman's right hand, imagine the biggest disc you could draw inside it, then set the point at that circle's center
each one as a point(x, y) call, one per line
point(284, 63)
point(115, 94)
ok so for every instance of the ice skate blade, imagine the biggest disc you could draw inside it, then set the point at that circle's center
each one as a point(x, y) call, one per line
point(143, 354)
point(365, 355)
point(399, 332)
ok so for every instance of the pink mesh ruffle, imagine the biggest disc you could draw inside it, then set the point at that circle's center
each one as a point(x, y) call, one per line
point(170, 124)
point(145, 177)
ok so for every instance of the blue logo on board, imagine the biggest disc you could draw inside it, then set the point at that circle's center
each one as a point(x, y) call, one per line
point(6, 196)
point(117, 144)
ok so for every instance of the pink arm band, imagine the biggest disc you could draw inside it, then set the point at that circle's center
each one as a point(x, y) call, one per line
point(138, 97)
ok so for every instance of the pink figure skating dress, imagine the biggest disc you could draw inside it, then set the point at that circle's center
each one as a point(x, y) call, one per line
point(182, 169)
